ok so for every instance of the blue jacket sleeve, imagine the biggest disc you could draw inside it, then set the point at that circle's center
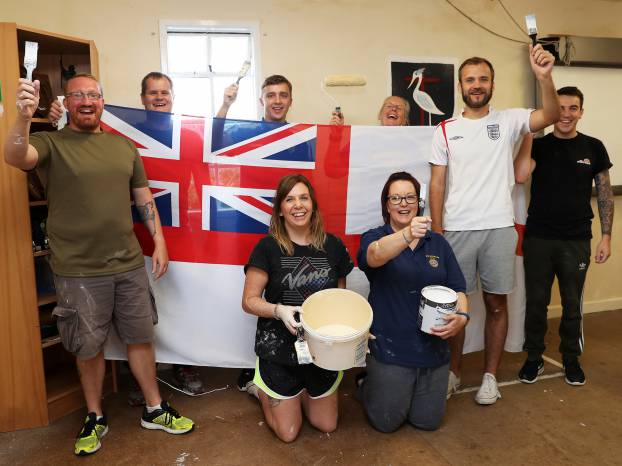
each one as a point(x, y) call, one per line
point(366, 239)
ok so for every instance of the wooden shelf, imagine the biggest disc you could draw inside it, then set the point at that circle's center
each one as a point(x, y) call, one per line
point(64, 392)
point(50, 43)
point(46, 299)
point(41, 120)
point(37, 385)
point(50, 341)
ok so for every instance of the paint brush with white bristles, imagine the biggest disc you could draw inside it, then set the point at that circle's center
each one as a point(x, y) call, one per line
point(246, 66)
point(422, 195)
point(532, 29)
point(30, 58)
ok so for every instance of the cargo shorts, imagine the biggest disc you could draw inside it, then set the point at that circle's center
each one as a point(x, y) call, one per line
point(87, 306)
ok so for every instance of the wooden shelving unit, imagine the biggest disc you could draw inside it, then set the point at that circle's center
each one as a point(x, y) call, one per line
point(46, 299)
point(39, 380)
point(38, 203)
point(50, 341)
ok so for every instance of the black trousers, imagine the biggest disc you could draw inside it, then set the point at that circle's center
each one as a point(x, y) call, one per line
point(544, 259)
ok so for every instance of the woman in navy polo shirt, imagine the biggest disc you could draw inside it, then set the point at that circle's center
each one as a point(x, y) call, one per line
point(407, 369)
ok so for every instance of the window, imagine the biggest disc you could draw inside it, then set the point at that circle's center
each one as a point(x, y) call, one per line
point(203, 58)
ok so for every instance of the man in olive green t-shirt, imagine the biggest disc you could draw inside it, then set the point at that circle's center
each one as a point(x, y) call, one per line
point(90, 178)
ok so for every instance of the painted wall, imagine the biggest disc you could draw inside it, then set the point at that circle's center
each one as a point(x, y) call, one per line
point(308, 39)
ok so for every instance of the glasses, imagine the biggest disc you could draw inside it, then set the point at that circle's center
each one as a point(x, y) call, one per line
point(393, 107)
point(79, 95)
point(397, 200)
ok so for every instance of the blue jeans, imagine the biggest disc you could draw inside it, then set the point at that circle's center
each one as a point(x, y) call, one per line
point(395, 394)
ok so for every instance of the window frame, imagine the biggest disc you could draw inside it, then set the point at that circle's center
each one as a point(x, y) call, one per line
point(201, 27)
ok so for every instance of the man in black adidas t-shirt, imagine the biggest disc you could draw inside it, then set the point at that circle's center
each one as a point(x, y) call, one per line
point(559, 228)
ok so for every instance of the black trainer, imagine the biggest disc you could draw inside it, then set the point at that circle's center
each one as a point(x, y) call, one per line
point(531, 370)
point(246, 376)
point(574, 373)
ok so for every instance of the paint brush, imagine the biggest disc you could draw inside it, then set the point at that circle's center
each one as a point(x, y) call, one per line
point(30, 58)
point(532, 29)
point(422, 195)
point(246, 66)
point(302, 347)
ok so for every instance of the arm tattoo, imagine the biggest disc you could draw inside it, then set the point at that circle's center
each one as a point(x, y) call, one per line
point(147, 214)
point(605, 201)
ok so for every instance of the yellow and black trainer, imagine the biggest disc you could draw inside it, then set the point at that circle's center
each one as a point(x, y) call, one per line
point(88, 440)
point(166, 419)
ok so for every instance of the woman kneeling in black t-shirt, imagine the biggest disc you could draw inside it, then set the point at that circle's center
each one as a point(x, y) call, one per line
point(296, 259)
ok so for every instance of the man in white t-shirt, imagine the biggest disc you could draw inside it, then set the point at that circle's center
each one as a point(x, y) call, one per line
point(471, 197)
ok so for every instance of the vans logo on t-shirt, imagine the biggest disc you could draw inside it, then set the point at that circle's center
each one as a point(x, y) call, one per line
point(307, 278)
point(493, 131)
point(585, 161)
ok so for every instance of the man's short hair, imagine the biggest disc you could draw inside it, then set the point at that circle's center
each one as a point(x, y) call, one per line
point(83, 75)
point(571, 90)
point(276, 79)
point(476, 61)
point(153, 75)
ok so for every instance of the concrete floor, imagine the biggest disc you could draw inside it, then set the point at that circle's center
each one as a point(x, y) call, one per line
point(547, 423)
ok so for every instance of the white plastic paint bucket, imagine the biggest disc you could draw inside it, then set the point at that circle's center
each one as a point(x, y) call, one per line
point(436, 303)
point(336, 324)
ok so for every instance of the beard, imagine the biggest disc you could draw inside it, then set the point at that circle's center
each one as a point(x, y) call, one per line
point(469, 102)
point(85, 124)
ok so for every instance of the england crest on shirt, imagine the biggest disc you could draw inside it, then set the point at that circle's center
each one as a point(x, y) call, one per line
point(493, 131)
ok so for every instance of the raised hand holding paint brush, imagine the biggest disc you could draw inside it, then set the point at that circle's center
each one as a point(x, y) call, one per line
point(231, 91)
point(27, 99)
point(229, 96)
point(419, 227)
point(541, 62)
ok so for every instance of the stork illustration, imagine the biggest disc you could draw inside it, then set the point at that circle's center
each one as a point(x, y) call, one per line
point(423, 99)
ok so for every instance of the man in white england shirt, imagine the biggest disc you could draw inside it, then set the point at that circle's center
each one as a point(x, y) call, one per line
point(471, 197)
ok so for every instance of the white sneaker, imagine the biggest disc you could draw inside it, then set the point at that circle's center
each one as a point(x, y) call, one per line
point(453, 384)
point(488, 392)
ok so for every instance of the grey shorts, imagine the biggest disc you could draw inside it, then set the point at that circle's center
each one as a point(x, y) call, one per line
point(87, 306)
point(489, 253)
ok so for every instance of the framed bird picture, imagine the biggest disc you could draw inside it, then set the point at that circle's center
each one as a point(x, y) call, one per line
point(428, 85)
